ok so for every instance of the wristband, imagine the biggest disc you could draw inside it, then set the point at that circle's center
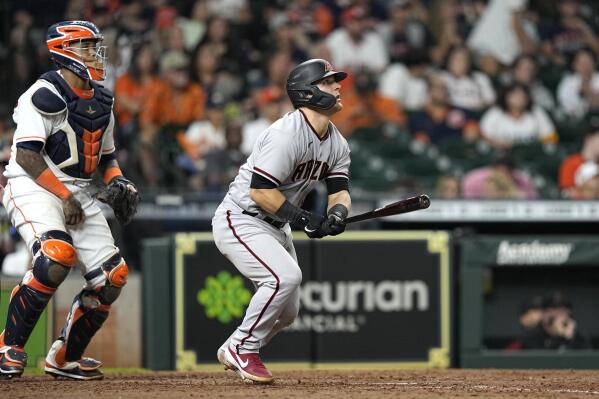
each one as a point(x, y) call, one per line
point(50, 182)
point(111, 173)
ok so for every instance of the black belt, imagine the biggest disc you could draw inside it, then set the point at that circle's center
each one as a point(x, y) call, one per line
point(267, 219)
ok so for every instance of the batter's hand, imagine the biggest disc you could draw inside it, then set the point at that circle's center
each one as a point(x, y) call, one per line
point(73, 213)
point(313, 227)
point(335, 222)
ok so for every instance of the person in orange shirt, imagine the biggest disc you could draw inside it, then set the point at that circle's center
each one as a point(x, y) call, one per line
point(569, 166)
point(131, 91)
point(365, 107)
point(170, 108)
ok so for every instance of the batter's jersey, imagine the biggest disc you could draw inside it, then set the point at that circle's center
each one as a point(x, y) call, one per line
point(291, 155)
point(32, 125)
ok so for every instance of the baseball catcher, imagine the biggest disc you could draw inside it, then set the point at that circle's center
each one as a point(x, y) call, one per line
point(64, 136)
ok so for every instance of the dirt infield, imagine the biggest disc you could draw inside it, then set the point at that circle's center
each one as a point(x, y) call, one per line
point(319, 384)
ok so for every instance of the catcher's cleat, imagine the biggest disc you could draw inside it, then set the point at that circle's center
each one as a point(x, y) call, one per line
point(248, 366)
point(12, 361)
point(83, 369)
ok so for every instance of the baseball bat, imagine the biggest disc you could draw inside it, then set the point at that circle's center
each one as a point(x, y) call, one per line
point(402, 206)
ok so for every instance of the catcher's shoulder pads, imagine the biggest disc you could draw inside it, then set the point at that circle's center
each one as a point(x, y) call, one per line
point(46, 102)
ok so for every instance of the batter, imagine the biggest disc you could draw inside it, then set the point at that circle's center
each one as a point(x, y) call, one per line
point(251, 225)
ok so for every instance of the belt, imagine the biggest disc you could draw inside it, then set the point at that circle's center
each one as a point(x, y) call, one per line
point(267, 219)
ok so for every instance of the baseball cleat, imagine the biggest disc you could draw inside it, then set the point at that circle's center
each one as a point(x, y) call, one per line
point(248, 366)
point(220, 354)
point(12, 362)
point(83, 369)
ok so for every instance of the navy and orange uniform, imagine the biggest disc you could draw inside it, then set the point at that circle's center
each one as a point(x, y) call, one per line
point(73, 130)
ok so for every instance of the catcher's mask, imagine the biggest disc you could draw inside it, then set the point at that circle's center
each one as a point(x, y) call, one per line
point(77, 46)
point(301, 84)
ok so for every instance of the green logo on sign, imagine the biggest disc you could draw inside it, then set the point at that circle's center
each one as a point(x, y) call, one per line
point(224, 297)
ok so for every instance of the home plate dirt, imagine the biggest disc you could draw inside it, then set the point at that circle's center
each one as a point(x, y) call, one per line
point(404, 384)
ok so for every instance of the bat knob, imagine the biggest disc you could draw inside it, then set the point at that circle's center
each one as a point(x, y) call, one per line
point(425, 201)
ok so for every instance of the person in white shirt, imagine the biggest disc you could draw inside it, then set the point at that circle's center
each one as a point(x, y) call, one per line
point(207, 134)
point(271, 107)
point(406, 83)
point(578, 92)
point(468, 89)
point(515, 120)
point(353, 46)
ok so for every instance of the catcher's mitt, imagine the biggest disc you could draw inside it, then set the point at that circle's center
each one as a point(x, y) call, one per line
point(122, 196)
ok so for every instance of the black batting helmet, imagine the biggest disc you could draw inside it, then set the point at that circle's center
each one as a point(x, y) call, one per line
point(301, 87)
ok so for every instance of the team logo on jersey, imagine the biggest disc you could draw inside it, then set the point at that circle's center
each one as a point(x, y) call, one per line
point(224, 297)
point(90, 110)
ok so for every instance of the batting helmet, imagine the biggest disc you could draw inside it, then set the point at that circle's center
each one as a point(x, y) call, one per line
point(301, 84)
point(70, 43)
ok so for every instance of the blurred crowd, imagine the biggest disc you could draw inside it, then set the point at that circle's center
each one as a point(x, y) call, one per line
point(462, 98)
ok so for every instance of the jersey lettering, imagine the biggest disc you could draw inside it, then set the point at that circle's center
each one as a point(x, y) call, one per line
point(308, 169)
point(314, 170)
point(298, 172)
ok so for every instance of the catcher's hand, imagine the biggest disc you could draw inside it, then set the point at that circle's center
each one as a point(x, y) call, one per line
point(122, 196)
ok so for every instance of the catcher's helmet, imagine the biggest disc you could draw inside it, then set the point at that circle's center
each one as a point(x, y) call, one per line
point(70, 43)
point(301, 87)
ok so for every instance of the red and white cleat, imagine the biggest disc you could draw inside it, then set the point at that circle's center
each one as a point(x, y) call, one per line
point(248, 366)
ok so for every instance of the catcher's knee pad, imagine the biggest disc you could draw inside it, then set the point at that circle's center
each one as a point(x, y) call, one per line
point(54, 255)
point(116, 271)
point(85, 318)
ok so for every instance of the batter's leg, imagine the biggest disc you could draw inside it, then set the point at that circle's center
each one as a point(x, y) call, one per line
point(259, 254)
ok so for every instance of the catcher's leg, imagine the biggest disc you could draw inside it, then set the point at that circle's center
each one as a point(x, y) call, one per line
point(89, 311)
point(54, 255)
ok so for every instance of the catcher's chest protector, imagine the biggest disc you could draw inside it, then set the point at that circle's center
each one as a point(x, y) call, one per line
point(75, 149)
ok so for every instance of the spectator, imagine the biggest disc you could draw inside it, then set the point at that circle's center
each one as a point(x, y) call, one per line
point(440, 121)
point(365, 107)
point(468, 89)
point(312, 18)
point(406, 83)
point(589, 152)
point(220, 166)
point(500, 32)
point(207, 134)
point(232, 52)
point(570, 34)
point(194, 27)
point(516, 120)
point(447, 187)
point(354, 47)
point(446, 30)
point(405, 32)
point(270, 106)
point(524, 71)
point(170, 109)
point(498, 181)
point(287, 36)
point(132, 93)
point(578, 92)
point(586, 182)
